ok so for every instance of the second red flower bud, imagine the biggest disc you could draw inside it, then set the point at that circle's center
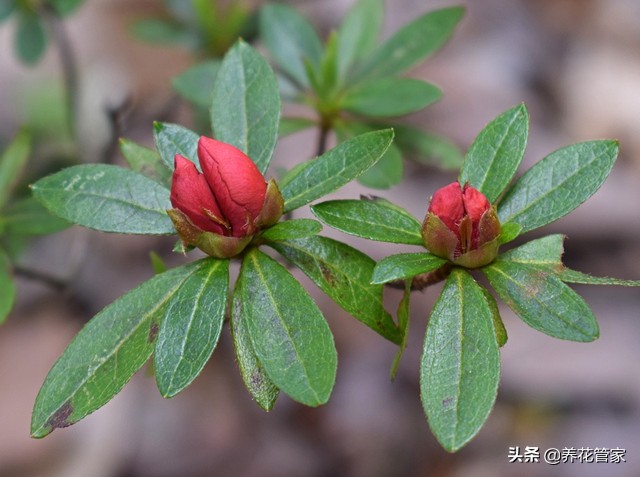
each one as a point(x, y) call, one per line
point(461, 226)
point(222, 208)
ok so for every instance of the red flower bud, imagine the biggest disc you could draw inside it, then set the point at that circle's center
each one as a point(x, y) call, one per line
point(220, 209)
point(461, 226)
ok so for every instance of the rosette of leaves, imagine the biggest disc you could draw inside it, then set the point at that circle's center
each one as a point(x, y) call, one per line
point(281, 338)
point(353, 81)
point(31, 38)
point(460, 365)
point(20, 217)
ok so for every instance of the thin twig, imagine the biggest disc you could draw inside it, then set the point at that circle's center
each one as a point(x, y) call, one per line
point(322, 140)
point(422, 281)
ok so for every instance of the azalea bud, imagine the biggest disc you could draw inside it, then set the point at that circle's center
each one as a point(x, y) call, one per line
point(220, 209)
point(461, 226)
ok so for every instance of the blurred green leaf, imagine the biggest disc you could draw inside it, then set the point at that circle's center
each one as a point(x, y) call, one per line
point(7, 287)
point(292, 229)
point(246, 104)
point(318, 177)
point(358, 33)
point(404, 266)
point(293, 125)
point(65, 7)
point(158, 265)
point(12, 163)
point(376, 219)
point(155, 30)
point(28, 217)
point(288, 332)
point(172, 139)
point(261, 388)
point(509, 232)
point(460, 365)
point(344, 274)
point(558, 184)
point(106, 198)
point(106, 353)
point(411, 44)
point(146, 161)
point(6, 8)
point(496, 153)
point(30, 37)
point(290, 39)
point(427, 148)
point(189, 334)
point(196, 83)
point(542, 301)
point(385, 97)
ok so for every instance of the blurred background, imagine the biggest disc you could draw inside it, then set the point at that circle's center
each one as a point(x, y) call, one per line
point(576, 64)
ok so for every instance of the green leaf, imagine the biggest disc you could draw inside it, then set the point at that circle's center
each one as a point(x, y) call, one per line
point(12, 163)
point(573, 276)
point(28, 217)
point(385, 97)
point(172, 139)
point(294, 125)
point(190, 331)
point(246, 104)
point(156, 30)
point(288, 332)
point(543, 301)
point(385, 173)
point(496, 153)
point(196, 83)
point(106, 353)
point(509, 232)
point(318, 177)
point(412, 43)
point(543, 252)
point(292, 229)
point(146, 161)
point(65, 7)
point(358, 33)
point(7, 287)
point(290, 40)
point(498, 325)
point(376, 219)
point(344, 274)
point(427, 148)
point(460, 365)
point(106, 198)
point(30, 39)
point(261, 388)
point(6, 8)
point(404, 266)
point(558, 184)
point(158, 265)
point(403, 326)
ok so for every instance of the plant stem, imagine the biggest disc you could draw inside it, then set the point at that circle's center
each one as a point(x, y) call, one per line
point(67, 61)
point(322, 139)
point(56, 283)
point(422, 281)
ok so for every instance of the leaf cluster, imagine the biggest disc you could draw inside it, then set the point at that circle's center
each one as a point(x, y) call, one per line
point(281, 338)
point(460, 364)
point(353, 81)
